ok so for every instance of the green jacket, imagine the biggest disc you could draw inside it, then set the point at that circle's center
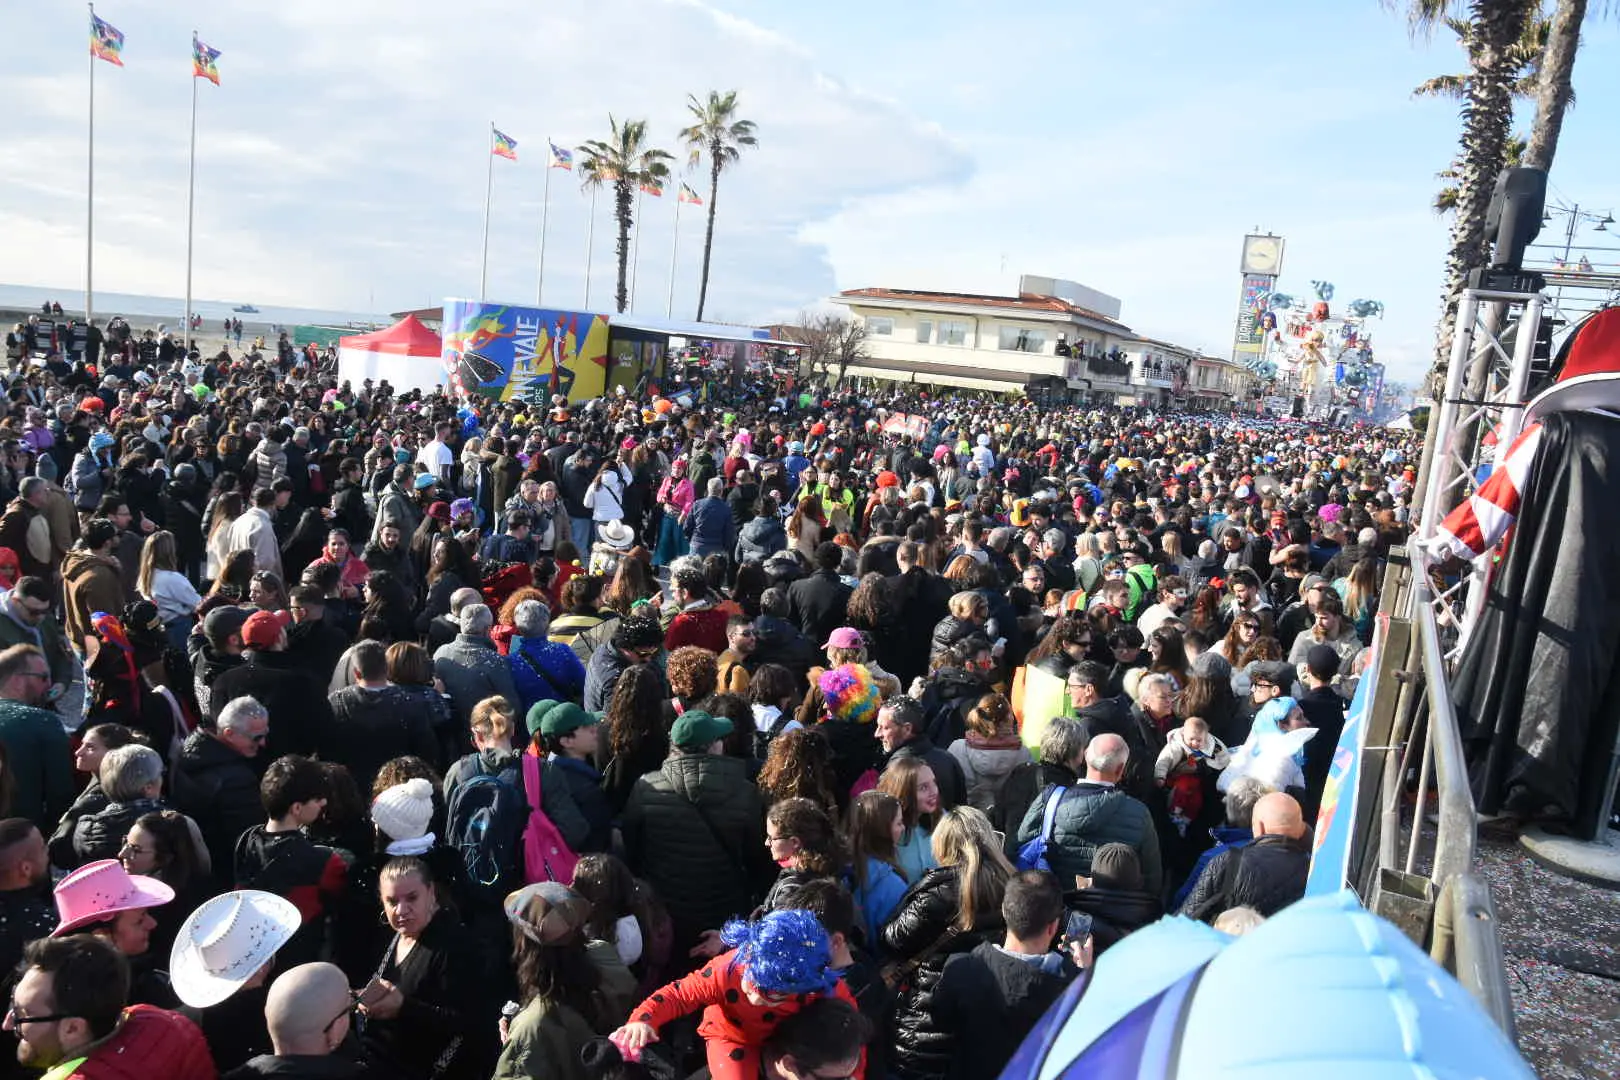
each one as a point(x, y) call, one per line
point(544, 1040)
point(40, 762)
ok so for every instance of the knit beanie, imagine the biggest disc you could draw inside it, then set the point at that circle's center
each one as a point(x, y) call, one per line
point(403, 811)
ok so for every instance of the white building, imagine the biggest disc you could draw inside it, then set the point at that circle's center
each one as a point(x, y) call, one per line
point(1159, 371)
point(1003, 344)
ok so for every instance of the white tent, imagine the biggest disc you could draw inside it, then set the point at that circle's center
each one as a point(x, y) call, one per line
point(407, 354)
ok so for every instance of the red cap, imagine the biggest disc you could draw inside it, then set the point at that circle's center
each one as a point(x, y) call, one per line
point(888, 478)
point(263, 628)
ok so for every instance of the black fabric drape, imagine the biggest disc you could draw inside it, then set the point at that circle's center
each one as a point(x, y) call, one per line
point(1537, 694)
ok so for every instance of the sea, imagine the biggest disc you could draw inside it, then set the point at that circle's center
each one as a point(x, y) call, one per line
point(169, 311)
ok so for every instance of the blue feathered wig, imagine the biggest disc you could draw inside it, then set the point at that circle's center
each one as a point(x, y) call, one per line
point(785, 952)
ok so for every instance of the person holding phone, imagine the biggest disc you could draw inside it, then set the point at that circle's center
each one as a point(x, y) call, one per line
point(426, 1008)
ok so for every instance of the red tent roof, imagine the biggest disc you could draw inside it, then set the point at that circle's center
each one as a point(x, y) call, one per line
point(408, 337)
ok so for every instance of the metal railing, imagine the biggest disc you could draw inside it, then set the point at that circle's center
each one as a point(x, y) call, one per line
point(1430, 889)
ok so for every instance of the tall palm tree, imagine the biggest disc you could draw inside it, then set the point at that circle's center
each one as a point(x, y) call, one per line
point(1445, 200)
point(1495, 29)
point(719, 136)
point(1555, 92)
point(626, 162)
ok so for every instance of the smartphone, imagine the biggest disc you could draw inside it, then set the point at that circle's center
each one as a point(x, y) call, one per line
point(374, 990)
point(1076, 926)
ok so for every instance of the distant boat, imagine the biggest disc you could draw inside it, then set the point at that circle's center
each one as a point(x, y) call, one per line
point(246, 309)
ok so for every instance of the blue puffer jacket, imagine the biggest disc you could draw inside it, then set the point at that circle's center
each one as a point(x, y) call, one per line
point(1090, 816)
point(544, 671)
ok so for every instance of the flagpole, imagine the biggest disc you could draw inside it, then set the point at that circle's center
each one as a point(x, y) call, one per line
point(191, 203)
point(90, 191)
point(675, 246)
point(590, 242)
point(545, 212)
point(635, 250)
point(489, 188)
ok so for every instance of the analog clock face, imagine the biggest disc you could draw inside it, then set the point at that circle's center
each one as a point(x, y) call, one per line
point(1261, 255)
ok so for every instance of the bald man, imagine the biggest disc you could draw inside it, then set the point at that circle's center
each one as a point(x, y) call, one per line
point(1095, 812)
point(308, 1012)
point(1267, 875)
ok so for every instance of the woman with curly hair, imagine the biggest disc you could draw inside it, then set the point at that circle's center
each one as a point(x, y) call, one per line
point(693, 674)
point(799, 765)
point(637, 738)
point(804, 842)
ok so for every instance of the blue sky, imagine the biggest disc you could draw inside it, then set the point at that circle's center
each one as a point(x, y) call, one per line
point(951, 145)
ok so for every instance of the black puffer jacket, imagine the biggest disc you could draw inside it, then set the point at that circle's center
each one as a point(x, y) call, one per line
point(923, 923)
point(218, 788)
point(948, 631)
point(101, 835)
point(696, 827)
point(1267, 875)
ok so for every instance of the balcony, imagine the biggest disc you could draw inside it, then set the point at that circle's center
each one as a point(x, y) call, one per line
point(1159, 375)
point(1104, 367)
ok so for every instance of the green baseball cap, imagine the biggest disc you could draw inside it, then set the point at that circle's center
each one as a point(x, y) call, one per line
point(557, 718)
point(696, 729)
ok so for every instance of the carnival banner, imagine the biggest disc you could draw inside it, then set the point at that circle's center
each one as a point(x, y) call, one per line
point(906, 424)
point(507, 352)
point(1256, 297)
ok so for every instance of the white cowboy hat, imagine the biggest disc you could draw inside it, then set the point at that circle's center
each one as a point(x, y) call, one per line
point(616, 534)
point(225, 941)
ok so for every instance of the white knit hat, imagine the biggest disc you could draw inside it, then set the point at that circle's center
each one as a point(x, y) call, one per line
point(403, 811)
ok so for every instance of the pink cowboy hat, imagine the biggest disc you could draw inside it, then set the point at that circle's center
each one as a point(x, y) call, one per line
point(101, 889)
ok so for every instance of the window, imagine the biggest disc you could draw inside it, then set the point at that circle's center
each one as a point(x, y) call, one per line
point(1022, 339)
point(882, 325)
point(952, 333)
point(925, 330)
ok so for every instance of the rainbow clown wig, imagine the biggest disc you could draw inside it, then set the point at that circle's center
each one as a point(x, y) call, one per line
point(785, 952)
point(850, 694)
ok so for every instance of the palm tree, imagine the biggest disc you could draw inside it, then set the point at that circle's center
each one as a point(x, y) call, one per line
point(626, 162)
point(1554, 94)
point(718, 135)
point(1445, 200)
point(1495, 30)
point(1527, 58)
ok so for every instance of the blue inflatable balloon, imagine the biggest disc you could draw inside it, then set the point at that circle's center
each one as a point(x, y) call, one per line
point(1324, 989)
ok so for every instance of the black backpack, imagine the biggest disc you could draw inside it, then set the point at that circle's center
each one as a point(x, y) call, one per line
point(763, 739)
point(484, 824)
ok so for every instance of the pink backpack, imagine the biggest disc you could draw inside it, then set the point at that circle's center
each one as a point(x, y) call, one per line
point(546, 855)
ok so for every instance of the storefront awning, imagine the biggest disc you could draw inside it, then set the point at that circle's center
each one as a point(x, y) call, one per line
point(691, 330)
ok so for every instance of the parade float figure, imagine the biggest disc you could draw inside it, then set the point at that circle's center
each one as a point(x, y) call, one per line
point(1537, 689)
point(1310, 362)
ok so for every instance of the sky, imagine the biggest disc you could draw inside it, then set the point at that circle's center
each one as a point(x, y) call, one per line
point(342, 163)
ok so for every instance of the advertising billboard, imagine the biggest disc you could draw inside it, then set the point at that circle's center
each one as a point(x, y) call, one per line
point(505, 351)
point(1251, 335)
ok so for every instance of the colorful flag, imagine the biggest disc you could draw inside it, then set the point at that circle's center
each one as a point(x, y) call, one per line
point(561, 158)
point(652, 186)
point(202, 61)
point(106, 40)
point(505, 145)
point(688, 195)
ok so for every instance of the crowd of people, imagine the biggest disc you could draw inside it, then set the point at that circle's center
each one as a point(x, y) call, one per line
point(347, 732)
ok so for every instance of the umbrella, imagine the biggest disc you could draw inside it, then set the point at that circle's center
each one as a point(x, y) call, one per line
point(1323, 989)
